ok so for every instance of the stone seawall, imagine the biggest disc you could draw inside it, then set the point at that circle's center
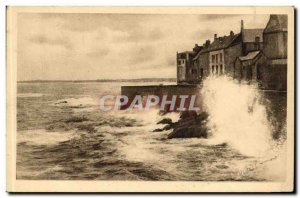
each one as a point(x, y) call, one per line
point(158, 90)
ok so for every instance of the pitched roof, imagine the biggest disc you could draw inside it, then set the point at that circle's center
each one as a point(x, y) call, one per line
point(249, 56)
point(221, 43)
point(197, 56)
point(190, 52)
point(277, 23)
point(250, 34)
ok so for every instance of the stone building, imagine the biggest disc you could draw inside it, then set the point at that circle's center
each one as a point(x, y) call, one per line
point(252, 39)
point(245, 66)
point(187, 72)
point(218, 57)
point(184, 62)
point(254, 55)
point(251, 46)
point(272, 66)
point(268, 65)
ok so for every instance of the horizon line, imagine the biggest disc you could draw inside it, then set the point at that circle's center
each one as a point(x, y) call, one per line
point(121, 79)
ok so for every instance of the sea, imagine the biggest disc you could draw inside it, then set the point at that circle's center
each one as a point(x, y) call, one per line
point(63, 135)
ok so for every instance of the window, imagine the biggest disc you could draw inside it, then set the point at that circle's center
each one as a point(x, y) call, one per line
point(178, 62)
point(258, 72)
point(213, 69)
point(221, 57)
point(213, 58)
point(217, 69)
point(217, 58)
point(221, 69)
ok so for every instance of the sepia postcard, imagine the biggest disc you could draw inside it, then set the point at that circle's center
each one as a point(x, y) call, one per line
point(150, 99)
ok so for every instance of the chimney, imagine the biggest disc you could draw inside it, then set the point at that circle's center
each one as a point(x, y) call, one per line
point(207, 43)
point(242, 24)
point(215, 37)
point(231, 33)
point(196, 48)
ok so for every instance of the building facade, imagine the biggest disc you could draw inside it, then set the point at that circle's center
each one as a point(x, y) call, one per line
point(183, 66)
point(187, 71)
point(217, 58)
point(220, 56)
point(253, 55)
point(267, 65)
point(272, 66)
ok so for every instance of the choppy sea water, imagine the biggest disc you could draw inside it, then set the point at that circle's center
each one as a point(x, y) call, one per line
point(63, 135)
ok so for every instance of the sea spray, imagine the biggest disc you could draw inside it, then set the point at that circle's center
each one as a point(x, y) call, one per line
point(236, 116)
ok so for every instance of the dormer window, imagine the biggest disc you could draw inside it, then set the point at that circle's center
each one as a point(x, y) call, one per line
point(257, 39)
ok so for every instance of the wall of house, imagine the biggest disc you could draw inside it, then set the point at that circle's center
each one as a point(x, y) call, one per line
point(249, 47)
point(216, 62)
point(203, 64)
point(192, 72)
point(254, 71)
point(275, 45)
point(272, 76)
point(181, 70)
point(247, 70)
point(231, 54)
point(186, 73)
point(237, 71)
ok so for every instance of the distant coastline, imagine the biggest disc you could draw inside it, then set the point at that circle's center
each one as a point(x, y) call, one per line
point(103, 80)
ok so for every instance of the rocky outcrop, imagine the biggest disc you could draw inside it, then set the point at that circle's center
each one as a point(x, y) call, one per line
point(165, 121)
point(190, 125)
point(194, 131)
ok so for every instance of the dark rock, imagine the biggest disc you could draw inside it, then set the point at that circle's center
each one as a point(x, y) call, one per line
point(168, 127)
point(82, 153)
point(157, 130)
point(61, 102)
point(188, 114)
point(76, 119)
point(222, 166)
point(96, 146)
point(202, 116)
point(221, 145)
point(194, 131)
point(165, 121)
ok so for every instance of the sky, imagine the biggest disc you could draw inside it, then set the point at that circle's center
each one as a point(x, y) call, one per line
point(68, 46)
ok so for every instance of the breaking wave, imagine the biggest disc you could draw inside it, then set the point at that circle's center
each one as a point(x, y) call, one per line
point(237, 115)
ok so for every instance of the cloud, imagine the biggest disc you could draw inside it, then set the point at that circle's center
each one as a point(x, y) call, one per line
point(171, 61)
point(138, 34)
point(44, 40)
point(156, 34)
point(203, 34)
point(83, 22)
point(216, 16)
point(141, 54)
point(97, 45)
